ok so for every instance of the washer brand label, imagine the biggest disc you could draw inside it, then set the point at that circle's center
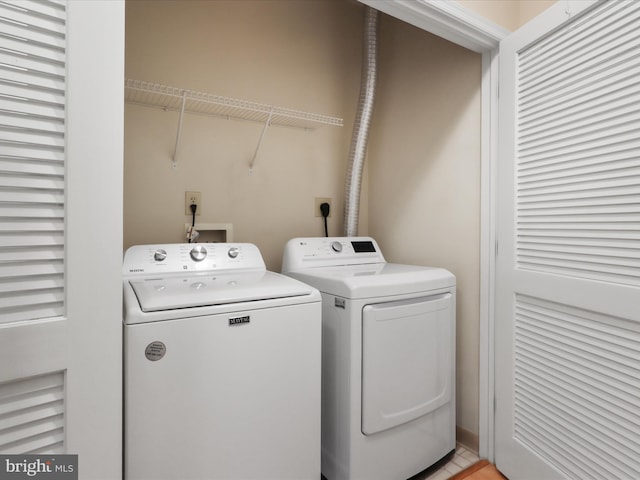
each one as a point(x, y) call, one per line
point(239, 320)
point(155, 351)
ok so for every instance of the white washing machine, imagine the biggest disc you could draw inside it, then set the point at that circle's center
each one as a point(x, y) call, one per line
point(222, 366)
point(388, 356)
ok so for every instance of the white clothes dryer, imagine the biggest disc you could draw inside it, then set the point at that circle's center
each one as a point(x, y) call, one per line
point(388, 356)
point(222, 366)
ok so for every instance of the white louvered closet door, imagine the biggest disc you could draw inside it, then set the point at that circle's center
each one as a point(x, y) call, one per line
point(568, 264)
point(61, 117)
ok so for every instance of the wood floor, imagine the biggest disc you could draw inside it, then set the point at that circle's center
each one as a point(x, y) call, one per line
point(482, 470)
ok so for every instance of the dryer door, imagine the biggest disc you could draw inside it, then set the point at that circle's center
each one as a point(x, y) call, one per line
point(407, 360)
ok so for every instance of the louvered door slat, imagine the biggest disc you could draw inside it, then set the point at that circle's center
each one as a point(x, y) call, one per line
point(603, 105)
point(578, 193)
point(33, 225)
point(32, 142)
point(15, 110)
point(568, 129)
point(611, 436)
point(32, 412)
point(39, 66)
point(583, 65)
point(607, 255)
point(27, 152)
point(34, 297)
point(36, 443)
point(31, 430)
point(589, 242)
point(25, 269)
point(41, 182)
point(582, 387)
point(42, 95)
point(577, 377)
point(45, 52)
point(31, 398)
point(17, 30)
point(577, 182)
point(45, 238)
point(608, 232)
point(19, 210)
point(31, 15)
point(28, 415)
point(49, 9)
point(42, 282)
point(40, 138)
point(581, 267)
point(566, 160)
point(32, 79)
point(581, 31)
point(591, 384)
point(611, 463)
point(619, 79)
point(31, 196)
point(613, 165)
point(552, 53)
point(30, 166)
point(623, 138)
point(577, 179)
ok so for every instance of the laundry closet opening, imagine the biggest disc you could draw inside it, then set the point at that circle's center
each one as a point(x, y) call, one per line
point(421, 184)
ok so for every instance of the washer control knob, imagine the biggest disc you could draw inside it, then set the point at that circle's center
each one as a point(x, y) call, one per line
point(198, 253)
point(160, 255)
point(233, 252)
point(336, 246)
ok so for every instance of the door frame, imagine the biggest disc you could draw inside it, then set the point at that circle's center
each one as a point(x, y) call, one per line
point(93, 250)
point(469, 30)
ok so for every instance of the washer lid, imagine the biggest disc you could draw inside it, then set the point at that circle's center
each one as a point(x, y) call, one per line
point(172, 292)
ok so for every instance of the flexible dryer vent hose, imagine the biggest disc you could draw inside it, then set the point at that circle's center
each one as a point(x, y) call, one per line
point(362, 123)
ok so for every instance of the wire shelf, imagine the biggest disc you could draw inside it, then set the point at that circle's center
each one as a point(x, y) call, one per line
point(171, 98)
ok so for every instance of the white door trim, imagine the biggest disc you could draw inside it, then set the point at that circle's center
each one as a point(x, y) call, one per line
point(95, 124)
point(446, 19)
point(463, 27)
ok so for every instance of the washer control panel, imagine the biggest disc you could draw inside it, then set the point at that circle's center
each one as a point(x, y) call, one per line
point(330, 251)
point(185, 257)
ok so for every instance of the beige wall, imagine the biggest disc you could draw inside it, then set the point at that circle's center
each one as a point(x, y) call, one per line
point(424, 176)
point(529, 9)
point(510, 14)
point(300, 55)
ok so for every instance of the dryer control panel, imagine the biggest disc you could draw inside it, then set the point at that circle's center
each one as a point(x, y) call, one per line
point(191, 257)
point(302, 253)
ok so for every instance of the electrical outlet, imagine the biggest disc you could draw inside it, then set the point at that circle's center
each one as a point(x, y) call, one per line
point(319, 201)
point(189, 199)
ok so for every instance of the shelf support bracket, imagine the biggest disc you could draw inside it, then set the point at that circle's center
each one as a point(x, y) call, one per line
point(175, 151)
point(264, 130)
